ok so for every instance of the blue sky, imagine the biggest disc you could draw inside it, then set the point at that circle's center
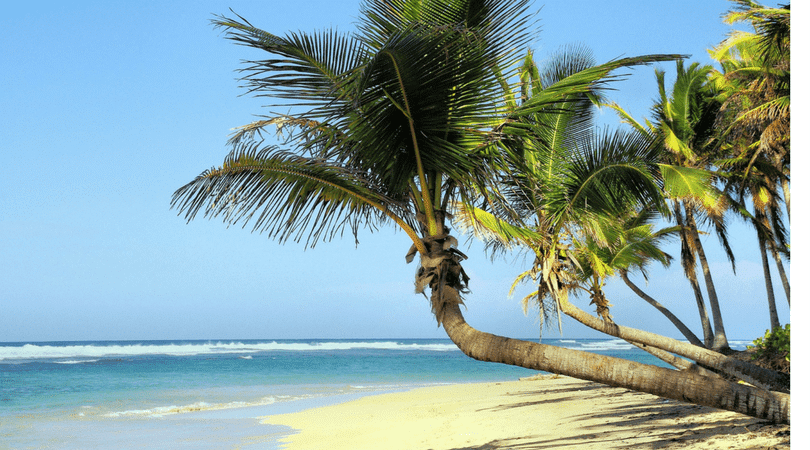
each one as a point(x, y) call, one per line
point(109, 107)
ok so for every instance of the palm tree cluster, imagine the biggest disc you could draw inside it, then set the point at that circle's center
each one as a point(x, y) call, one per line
point(433, 114)
point(754, 144)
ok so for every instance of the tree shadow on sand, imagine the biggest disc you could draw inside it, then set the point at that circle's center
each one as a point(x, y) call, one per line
point(648, 434)
point(656, 424)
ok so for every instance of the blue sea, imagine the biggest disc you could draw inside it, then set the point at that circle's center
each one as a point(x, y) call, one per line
point(210, 394)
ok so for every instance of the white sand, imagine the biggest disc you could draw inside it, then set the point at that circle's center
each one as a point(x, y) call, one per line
point(543, 413)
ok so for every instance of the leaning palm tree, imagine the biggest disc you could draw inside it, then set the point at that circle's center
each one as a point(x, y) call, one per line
point(585, 202)
point(630, 245)
point(683, 119)
point(392, 125)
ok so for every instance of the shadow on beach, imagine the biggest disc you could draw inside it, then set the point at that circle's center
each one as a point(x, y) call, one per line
point(646, 424)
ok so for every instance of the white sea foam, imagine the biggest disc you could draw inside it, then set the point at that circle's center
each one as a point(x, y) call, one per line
point(161, 411)
point(611, 345)
point(740, 345)
point(75, 352)
point(75, 361)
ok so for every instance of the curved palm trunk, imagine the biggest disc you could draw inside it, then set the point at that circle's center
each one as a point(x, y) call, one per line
point(703, 312)
point(764, 378)
point(688, 264)
point(720, 341)
point(674, 361)
point(681, 386)
point(685, 331)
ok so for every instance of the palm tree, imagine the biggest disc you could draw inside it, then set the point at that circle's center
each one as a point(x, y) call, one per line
point(758, 185)
point(755, 116)
point(388, 129)
point(684, 121)
point(630, 245)
point(755, 125)
point(396, 123)
point(581, 195)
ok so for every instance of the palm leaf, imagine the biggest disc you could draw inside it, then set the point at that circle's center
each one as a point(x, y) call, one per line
point(288, 196)
point(615, 171)
point(692, 184)
point(493, 230)
point(588, 81)
point(309, 69)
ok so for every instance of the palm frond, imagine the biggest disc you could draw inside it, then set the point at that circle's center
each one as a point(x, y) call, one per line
point(492, 229)
point(615, 171)
point(288, 196)
point(628, 119)
point(689, 183)
point(287, 128)
point(309, 69)
point(587, 81)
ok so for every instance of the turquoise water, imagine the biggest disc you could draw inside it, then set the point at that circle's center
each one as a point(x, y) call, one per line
point(209, 394)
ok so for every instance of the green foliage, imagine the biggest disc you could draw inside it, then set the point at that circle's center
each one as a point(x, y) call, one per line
point(774, 342)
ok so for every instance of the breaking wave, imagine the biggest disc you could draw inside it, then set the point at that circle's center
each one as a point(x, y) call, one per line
point(74, 354)
point(161, 411)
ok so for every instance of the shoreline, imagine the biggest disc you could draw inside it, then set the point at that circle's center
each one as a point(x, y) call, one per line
point(540, 412)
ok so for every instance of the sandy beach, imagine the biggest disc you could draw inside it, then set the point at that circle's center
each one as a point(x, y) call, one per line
point(544, 412)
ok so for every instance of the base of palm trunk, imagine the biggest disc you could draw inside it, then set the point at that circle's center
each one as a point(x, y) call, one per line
point(682, 386)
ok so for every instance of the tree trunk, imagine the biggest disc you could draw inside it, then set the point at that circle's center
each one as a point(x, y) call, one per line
point(774, 221)
point(766, 270)
point(688, 264)
point(782, 274)
point(685, 331)
point(786, 195)
point(703, 312)
point(681, 386)
point(674, 361)
point(720, 341)
point(771, 379)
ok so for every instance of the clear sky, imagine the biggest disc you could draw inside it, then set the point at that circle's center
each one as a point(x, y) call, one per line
point(109, 107)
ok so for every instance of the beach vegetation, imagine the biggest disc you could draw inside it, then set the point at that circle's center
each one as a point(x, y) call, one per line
point(433, 111)
point(587, 205)
point(774, 345)
point(753, 128)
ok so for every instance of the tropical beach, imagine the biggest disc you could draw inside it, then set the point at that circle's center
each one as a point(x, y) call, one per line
point(527, 225)
point(310, 394)
point(542, 412)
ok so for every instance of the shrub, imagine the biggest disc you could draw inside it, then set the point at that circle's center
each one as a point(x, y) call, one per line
point(775, 343)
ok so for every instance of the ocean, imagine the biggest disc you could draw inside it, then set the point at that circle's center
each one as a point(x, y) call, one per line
point(210, 394)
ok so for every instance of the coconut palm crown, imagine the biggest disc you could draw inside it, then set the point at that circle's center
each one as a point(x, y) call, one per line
point(390, 124)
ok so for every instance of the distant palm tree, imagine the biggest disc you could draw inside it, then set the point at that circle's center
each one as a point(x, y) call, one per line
point(393, 125)
point(756, 182)
point(754, 126)
point(683, 119)
point(631, 244)
point(755, 81)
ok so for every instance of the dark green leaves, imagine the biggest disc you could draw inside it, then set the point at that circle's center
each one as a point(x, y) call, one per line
point(396, 114)
point(287, 196)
